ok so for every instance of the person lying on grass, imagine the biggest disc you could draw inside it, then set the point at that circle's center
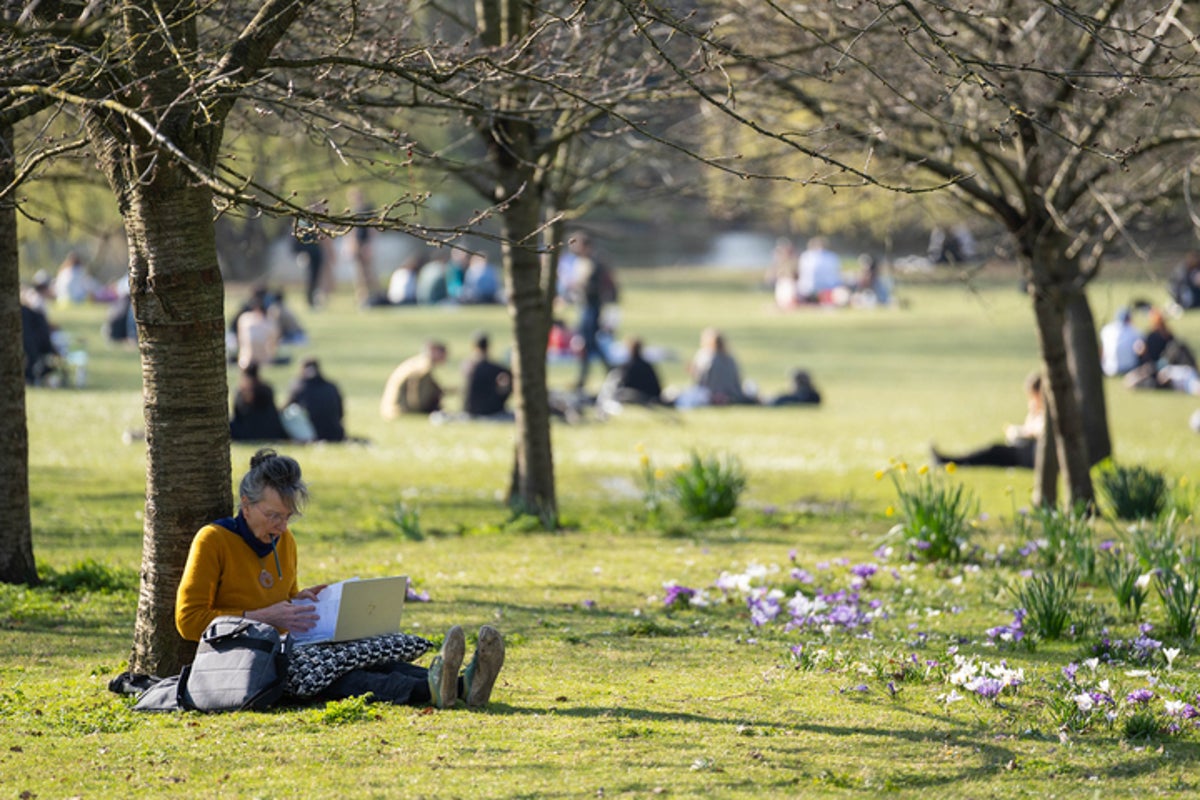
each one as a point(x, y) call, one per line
point(246, 566)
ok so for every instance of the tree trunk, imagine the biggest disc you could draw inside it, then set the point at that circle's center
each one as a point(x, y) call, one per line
point(178, 301)
point(1045, 465)
point(1053, 281)
point(532, 490)
point(1083, 355)
point(16, 534)
point(510, 143)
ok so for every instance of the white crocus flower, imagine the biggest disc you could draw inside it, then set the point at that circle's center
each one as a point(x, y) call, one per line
point(1170, 653)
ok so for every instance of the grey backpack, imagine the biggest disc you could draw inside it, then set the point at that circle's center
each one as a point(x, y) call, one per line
point(240, 664)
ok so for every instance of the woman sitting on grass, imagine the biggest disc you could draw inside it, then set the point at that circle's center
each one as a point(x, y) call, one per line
point(246, 566)
point(1020, 447)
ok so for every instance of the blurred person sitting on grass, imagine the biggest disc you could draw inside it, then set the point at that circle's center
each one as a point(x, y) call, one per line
point(255, 415)
point(321, 400)
point(412, 388)
point(1020, 445)
point(247, 566)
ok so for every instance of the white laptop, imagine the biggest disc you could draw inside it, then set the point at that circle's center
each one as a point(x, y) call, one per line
point(354, 609)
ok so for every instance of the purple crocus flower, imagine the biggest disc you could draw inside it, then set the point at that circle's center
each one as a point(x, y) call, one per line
point(986, 687)
point(677, 595)
point(801, 575)
point(1139, 696)
point(864, 571)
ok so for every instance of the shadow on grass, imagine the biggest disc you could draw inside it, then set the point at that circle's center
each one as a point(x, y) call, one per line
point(989, 759)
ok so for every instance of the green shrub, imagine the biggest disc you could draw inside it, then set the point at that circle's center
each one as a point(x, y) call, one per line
point(937, 515)
point(1180, 594)
point(90, 576)
point(708, 487)
point(1123, 574)
point(1047, 599)
point(1142, 726)
point(1135, 492)
point(408, 520)
point(1065, 539)
point(1158, 546)
point(1182, 499)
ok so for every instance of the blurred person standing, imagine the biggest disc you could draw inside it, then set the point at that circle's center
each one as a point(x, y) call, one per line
point(73, 284)
point(360, 242)
point(594, 286)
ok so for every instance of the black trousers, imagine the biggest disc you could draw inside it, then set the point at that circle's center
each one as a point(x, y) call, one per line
point(398, 682)
point(1021, 455)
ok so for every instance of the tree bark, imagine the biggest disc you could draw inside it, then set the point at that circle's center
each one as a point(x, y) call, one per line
point(16, 533)
point(178, 302)
point(533, 489)
point(1083, 355)
point(1045, 465)
point(1052, 284)
point(510, 143)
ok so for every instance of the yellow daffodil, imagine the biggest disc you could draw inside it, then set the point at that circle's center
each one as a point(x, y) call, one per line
point(951, 468)
point(924, 469)
point(890, 511)
point(879, 474)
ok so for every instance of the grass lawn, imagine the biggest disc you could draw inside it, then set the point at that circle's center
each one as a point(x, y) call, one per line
point(607, 691)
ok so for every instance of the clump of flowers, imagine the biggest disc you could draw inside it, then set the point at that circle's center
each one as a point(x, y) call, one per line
point(1141, 649)
point(983, 679)
point(679, 596)
point(937, 514)
point(1010, 633)
point(820, 610)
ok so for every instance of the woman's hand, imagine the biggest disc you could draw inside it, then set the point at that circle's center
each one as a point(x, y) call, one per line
point(310, 593)
point(287, 615)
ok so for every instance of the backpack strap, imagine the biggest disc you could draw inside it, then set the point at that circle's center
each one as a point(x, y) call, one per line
point(181, 693)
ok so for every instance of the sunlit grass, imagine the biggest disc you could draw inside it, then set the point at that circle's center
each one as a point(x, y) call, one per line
point(607, 693)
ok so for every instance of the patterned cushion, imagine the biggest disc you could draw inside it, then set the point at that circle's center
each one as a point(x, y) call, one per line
point(313, 667)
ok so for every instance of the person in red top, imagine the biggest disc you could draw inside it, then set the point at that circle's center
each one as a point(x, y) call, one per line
point(247, 566)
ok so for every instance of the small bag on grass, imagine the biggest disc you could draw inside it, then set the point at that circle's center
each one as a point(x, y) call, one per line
point(240, 665)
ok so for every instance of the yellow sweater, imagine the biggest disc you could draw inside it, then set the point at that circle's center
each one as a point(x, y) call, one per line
point(222, 578)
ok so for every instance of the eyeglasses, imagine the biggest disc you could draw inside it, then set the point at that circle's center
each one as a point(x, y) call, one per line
point(275, 518)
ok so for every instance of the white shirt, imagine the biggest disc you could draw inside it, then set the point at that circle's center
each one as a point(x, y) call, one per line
point(1116, 347)
point(820, 271)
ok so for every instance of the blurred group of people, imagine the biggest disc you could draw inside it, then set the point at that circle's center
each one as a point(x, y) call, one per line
point(50, 358)
point(313, 411)
point(814, 278)
point(1151, 359)
point(413, 387)
point(716, 380)
point(462, 277)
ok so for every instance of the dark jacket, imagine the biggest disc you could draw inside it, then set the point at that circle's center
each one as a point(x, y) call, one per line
point(255, 418)
point(323, 402)
point(485, 394)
